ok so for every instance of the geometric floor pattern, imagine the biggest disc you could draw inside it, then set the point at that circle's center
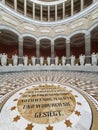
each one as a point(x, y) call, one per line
point(85, 82)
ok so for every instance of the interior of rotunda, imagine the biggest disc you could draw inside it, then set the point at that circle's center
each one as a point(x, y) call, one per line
point(48, 64)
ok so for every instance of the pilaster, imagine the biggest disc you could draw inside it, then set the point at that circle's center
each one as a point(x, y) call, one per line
point(20, 50)
point(38, 51)
point(88, 48)
point(52, 51)
point(68, 51)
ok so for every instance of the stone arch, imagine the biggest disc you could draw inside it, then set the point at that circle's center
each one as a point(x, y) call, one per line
point(29, 35)
point(94, 38)
point(29, 46)
point(5, 27)
point(60, 47)
point(78, 32)
point(9, 40)
point(60, 36)
point(77, 44)
point(45, 47)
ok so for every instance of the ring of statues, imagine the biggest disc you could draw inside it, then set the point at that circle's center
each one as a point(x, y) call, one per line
point(49, 61)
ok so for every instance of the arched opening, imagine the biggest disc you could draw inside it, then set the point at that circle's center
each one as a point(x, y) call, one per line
point(8, 43)
point(77, 45)
point(94, 40)
point(29, 46)
point(45, 48)
point(60, 47)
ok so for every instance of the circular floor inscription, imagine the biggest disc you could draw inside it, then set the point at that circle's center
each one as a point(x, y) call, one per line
point(46, 104)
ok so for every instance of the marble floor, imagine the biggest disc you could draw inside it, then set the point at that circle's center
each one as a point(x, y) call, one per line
point(82, 85)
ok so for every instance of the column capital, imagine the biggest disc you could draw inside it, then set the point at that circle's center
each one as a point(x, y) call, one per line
point(52, 42)
point(20, 39)
point(37, 42)
point(67, 41)
point(87, 35)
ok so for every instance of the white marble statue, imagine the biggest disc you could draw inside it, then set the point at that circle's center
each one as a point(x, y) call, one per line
point(25, 60)
point(94, 59)
point(56, 60)
point(82, 59)
point(48, 60)
point(63, 60)
point(33, 59)
point(3, 59)
point(15, 60)
point(41, 60)
point(72, 60)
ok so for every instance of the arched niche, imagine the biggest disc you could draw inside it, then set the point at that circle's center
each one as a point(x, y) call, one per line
point(60, 47)
point(45, 48)
point(94, 40)
point(29, 46)
point(77, 44)
point(8, 42)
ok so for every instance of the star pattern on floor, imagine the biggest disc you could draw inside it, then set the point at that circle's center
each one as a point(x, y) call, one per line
point(68, 123)
point(49, 128)
point(20, 93)
point(77, 113)
point(15, 119)
point(29, 127)
point(76, 96)
point(79, 103)
point(16, 99)
point(91, 89)
point(13, 108)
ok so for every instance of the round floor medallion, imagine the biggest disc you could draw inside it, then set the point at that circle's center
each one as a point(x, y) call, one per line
point(46, 104)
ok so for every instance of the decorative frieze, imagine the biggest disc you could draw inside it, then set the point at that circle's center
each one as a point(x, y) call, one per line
point(9, 20)
point(29, 28)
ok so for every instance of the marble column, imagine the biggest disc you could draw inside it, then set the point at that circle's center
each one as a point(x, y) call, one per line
point(25, 7)
point(68, 51)
point(48, 13)
point(63, 10)
point(72, 7)
point(55, 12)
point(15, 5)
point(41, 12)
point(52, 51)
point(20, 50)
point(82, 4)
point(33, 10)
point(88, 48)
point(38, 51)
